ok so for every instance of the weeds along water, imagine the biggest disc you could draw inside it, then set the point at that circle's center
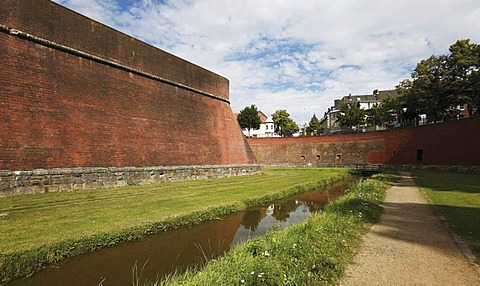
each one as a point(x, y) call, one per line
point(175, 250)
point(313, 252)
point(141, 214)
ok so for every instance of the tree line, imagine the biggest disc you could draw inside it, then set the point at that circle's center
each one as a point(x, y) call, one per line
point(381, 114)
point(248, 118)
point(439, 88)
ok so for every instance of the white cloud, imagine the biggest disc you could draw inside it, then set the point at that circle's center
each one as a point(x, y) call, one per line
point(295, 55)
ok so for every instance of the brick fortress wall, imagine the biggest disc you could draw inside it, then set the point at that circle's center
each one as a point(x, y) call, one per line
point(446, 144)
point(76, 93)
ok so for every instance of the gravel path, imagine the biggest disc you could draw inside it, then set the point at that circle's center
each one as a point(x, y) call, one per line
point(410, 246)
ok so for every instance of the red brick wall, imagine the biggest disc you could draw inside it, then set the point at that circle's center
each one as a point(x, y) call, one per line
point(62, 110)
point(51, 21)
point(451, 144)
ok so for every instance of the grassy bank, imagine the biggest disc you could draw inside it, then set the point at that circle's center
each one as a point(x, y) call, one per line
point(313, 252)
point(38, 230)
point(456, 196)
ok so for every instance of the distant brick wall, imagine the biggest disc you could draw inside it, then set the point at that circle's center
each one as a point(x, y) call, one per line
point(447, 144)
point(60, 109)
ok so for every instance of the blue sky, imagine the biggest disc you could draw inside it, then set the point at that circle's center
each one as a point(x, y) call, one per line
point(295, 55)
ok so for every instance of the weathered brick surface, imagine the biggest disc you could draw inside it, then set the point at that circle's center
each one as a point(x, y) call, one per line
point(446, 144)
point(51, 21)
point(59, 110)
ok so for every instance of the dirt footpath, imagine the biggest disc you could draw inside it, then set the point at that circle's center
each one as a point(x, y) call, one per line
point(410, 246)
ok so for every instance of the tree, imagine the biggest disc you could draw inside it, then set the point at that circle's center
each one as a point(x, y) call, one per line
point(463, 65)
point(314, 125)
point(284, 125)
point(408, 100)
point(440, 84)
point(351, 115)
point(384, 112)
point(428, 91)
point(290, 128)
point(248, 118)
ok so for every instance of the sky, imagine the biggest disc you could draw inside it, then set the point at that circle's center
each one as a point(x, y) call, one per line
point(295, 55)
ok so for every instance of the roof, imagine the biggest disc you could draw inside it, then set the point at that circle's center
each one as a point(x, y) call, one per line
point(263, 117)
point(376, 96)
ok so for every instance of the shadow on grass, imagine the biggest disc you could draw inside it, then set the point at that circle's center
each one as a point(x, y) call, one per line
point(447, 181)
point(464, 221)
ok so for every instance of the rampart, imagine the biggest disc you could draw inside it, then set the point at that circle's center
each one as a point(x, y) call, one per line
point(445, 144)
point(78, 94)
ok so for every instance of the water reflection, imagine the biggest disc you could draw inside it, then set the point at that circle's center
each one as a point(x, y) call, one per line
point(174, 250)
point(257, 221)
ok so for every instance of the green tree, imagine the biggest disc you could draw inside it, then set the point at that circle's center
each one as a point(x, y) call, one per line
point(351, 115)
point(290, 128)
point(408, 100)
point(428, 91)
point(248, 118)
point(314, 125)
point(284, 125)
point(384, 112)
point(439, 84)
point(463, 65)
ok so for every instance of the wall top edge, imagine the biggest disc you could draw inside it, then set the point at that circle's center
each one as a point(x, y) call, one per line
point(54, 45)
point(59, 24)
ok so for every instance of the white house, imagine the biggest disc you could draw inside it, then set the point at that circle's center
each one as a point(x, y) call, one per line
point(267, 128)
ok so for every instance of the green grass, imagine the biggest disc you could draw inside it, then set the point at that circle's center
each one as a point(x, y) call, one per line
point(314, 252)
point(456, 196)
point(37, 230)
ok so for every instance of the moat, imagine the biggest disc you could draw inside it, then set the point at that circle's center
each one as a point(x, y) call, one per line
point(174, 250)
